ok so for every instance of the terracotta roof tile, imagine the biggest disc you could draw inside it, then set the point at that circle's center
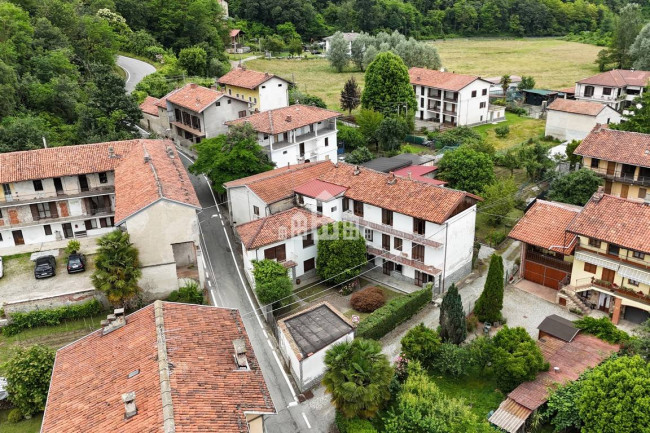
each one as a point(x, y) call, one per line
point(323, 191)
point(440, 80)
point(278, 187)
point(150, 105)
point(194, 97)
point(577, 107)
point(208, 394)
point(619, 78)
point(246, 78)
point(267, 174)
point(418, 172)
point(285, 119)
point(616, 220)
point(279, 227)
point(544, 225)
point(620, 146)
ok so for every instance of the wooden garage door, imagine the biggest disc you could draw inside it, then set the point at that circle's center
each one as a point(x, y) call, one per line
point(544, 275)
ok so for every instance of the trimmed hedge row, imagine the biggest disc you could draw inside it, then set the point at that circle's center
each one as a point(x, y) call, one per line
point(51, 317)
point(385, 319)
point(353, 425)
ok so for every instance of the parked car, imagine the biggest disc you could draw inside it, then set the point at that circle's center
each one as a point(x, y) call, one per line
point(76, 263)
point(45, 267)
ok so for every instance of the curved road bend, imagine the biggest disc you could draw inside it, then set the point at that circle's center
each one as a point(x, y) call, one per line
point(135, 70)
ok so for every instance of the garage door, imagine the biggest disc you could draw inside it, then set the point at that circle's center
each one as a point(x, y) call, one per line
point(636, 315)
point(544, 275)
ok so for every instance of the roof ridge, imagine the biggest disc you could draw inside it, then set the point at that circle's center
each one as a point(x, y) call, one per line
point(295, 168)
point(149, 160)
point(259, 229)
point(169, 424)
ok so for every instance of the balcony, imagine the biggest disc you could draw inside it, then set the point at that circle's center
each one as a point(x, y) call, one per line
point(453, 98)
point(431, 270)
point(612, 262)
point(350, 217)
point(101, 212)
point(550, 261)
point(449, 113)
point(189, 129)
point(624, 177)
point(613, 289)
point(41, 197)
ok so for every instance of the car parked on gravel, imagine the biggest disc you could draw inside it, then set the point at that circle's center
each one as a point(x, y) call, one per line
point(45, 267)
point(76, 263)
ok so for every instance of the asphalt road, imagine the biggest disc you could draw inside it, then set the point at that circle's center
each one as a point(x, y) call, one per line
point(228, 288)
point(135, 70)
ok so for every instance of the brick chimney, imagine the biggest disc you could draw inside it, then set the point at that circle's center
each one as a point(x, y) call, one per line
point(391, 178)
point(288, 119)
point(241, 362)
point(129, 405)
point(113, 321)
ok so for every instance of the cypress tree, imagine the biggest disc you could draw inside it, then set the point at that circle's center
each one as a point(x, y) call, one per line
point(489, 304)
point(453, 328)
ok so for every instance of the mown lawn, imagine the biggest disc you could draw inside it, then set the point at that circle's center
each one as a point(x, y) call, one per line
point(32, 425)
point(521, 129)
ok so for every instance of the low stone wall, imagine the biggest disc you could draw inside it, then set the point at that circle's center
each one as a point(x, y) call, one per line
point(48, 302)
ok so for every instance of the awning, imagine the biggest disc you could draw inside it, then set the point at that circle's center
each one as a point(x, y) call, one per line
point(597, 260)
point(634, 274)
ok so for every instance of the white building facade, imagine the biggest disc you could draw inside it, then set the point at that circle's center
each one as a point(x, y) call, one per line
point(569, 120)
point(616, 88)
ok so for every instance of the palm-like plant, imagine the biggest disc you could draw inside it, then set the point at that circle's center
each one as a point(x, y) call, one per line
point(117, 268)
point(505, 84)
point(357, 376)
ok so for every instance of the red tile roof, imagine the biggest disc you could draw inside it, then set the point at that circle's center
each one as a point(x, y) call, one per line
point(140, 183)
point(440, 80)
point(621, 146)
point(323, 191)
point(545, 224)
point(619, 78)
point(279, 227)
point(268, 174)
point(285, 119)
point(150, 105)
point(235, 32)
point(571, 90)
point(242, 77)
point(418, 172)
point(616, 220)
point(194, 97)
point(207, 393)
point(577, 107)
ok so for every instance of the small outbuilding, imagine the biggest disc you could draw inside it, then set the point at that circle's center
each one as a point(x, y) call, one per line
point(558, 327)
point(305, 337)
point(568, 119)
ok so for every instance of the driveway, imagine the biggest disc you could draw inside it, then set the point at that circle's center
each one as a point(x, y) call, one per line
point(135, 70)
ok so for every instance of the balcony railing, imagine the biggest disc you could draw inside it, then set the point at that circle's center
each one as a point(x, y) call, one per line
point(39, 197)
point(451, 98)
point(350, 217)
point(431, 270)
point(620, 176)
point(550, 261)
point(613, 289)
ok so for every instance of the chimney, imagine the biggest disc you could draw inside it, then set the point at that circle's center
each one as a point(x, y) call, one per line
point(409, 175)
point(240, 354)
point(288, 119)
point(192, 85)
point(170, 152)
point(266, 74)
point(113, 321)
point(356, 171)
point(391, 178)
point(111, 152)
point(129, 405)
point(147, 158)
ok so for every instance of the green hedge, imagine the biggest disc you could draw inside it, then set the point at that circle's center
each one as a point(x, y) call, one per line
point(385, 319)
point(353, 425)
point(51, 317)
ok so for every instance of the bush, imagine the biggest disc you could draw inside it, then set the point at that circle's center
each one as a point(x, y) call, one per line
point(51, 317)
point(272, 283)
point(15, 416)
point(452, 360)
point(72, 247)
point(516, 358)
point(496, 237)
point(421, 344)
point(359, 155)
point(602, 328)
point(516, 110)
point(385, 319)
point(190, 293)
point(472, 322)
point(352, 137)
point(502, 131)
point(28, 375)
point(368, 299)
point(353, 425)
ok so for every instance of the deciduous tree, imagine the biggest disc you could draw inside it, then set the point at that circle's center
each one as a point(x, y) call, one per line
point(576, 187)
point(339, 52)
point(350, 95)
point(341, 252)
point(453, 328)
point(499, 200)
point(368, 122)
point(516, 358)
point(466, 169)
point(28, 375)
point(387, 86)
point(272, 282)
point(527, 82)
point(421, 344)
point(359, 155)
point(490, 302)
point(640, 49)
point(628, 26)
point(194, 60)
point(640, 121)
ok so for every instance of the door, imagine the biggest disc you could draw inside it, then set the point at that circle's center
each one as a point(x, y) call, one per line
point(385, 242)
point(302, 149)
point(603, 302)
point(388, 267)
point(625, 188)
point(608, 187)
point(608, 275)
point(18, 237)
point(58, 185)
point(83, 182)
point(67, 231)
point(611, 168)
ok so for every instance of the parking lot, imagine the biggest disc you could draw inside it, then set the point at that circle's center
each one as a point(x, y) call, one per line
point(18, 282)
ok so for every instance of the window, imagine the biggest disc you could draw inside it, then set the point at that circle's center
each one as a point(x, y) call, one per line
point(229, 101)
point(178, 115)
point(417, 252)
point(319, 206)
point(346, 204)
point(387, 217)
point(276, 253)
point(0, 213)
point(473, 93)
point(368, 234)
point(280, 85)
point(218, 104)
point(418, 226)
point(613, 249)
point(230, 91)
point(256, 210)
point(254, 100)
point(44, 210)
point(250, 99)
point(358, 208)
point(385, 242)
point(238, 95)
point(589, 91)
point(103, 177)
point(482, 105)
point(327, 141)
point(421, 102)
point(595, 162)
point(308, 240)
point(590, 268)
point(594, 243)
point(633, 282)
point(196, 123)
point(607, 91)
point(643, 192)
point(397, 244)
point(0, 237)
point(90, 224)
point(266, 136)
point(638, 255)
point(242, 113)
point(301, 199)
point(187, 119)
point(308, 265)
point(48, 229)
point(333, 209)
point(484, 92)
point(422, 90)
point(38, 185)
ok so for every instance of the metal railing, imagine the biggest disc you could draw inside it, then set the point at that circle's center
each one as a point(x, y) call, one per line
point(384, 228)
point(23, 198)
point(403, 260)
point(553, 262)
point(611, 288)
point(619, 175)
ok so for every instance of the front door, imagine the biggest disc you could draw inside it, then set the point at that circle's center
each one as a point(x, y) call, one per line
point(608, 187)
point(625, 188)
point(388, 267)
point(18, 237)
point(67, 231)
point(421, 278)
point(83, 182)
point(608, 275)
point(611, 168)
point(603, 302)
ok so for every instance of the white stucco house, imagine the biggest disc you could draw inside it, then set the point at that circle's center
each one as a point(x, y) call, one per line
point(295, 134)
point(261, 90)
point(616, 88)
point(453, 99)
point(305, 337)
point(415, 231)
point(568, 119)
point(349, 38)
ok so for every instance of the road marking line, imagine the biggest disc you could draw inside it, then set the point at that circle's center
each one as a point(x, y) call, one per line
point(265, 334)
point(270, 345)
point(306, 420)
point(209, 283)
point(207, 274)
point(284, 373)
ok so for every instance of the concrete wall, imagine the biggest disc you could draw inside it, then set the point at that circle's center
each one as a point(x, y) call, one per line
point(153, 124)
point(313, 367)
point(570, 126)
point(241, 203)
point(48, 302)
point(215, 115)
point(273, 94)
point(470, 111)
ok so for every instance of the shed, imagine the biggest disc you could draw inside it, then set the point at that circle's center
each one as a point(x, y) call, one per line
point(557, 327)
point(305, 337)
point(386, 165)
point(539, 96)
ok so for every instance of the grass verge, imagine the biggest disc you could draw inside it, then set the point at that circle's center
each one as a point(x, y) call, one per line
point(32, 425)
point(521, 129)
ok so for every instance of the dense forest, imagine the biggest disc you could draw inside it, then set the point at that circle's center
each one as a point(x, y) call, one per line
point(314, 19)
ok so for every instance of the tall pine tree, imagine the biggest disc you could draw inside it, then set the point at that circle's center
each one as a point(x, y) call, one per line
point(453, 328)
point(489, 304)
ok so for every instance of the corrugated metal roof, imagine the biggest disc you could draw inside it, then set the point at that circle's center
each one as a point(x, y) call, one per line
point(510, 416)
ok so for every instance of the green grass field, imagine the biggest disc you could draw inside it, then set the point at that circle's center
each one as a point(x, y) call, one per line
point(480, 393)
point(521, 129)
point(32, 425)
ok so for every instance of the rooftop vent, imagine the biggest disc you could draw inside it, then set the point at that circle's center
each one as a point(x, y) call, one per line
point(147, 157)
point(391, 178)
point(356, 171)
point(556, 369)
point(288, 119)
point(170, 152)
point(113, 321)
point(111, 152)
point(192, 85)
point(129, 405)
point(240, 354)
